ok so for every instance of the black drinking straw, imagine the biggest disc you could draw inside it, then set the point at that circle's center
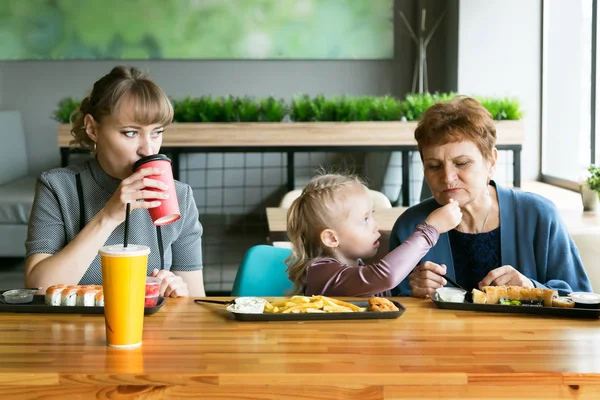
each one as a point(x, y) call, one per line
point(126, 225)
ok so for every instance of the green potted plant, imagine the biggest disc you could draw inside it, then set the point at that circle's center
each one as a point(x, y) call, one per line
point(305, 120)
point(590, 188)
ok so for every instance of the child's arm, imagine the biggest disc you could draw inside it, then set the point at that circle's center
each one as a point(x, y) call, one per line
point(329, 277)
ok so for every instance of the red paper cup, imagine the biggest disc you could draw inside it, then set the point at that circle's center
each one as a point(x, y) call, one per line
point(168, 211)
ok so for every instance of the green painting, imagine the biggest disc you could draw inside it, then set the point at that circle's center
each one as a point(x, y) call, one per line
point(196, 29)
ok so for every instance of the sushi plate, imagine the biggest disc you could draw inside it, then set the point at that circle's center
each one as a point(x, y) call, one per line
point(497, 308)
point(38, 305)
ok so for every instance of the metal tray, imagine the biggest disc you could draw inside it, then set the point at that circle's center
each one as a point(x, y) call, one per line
point(38, 305)
point(497, 308)
point(342, 316)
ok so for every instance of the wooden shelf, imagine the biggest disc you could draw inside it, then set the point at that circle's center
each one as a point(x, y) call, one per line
point(312, 134)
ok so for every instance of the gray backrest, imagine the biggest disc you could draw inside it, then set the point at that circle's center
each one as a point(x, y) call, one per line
point(13, 154)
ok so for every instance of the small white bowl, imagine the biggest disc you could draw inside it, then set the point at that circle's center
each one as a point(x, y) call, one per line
point(451, 294)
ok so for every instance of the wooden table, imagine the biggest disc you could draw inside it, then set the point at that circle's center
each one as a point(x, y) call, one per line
point(277, 219)
point(192, 350)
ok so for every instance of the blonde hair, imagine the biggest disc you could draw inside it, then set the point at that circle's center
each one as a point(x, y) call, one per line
point(308, 216)
point(151, 104)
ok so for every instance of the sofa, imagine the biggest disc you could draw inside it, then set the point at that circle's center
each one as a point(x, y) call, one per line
point(17, 187)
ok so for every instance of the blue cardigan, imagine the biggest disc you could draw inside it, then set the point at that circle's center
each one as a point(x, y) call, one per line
point(533, 240)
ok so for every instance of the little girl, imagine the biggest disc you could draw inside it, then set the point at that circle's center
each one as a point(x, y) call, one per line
point(331, 227)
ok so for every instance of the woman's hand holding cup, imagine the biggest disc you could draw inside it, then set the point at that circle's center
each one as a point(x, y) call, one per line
point(135, 188)
point(171, 285)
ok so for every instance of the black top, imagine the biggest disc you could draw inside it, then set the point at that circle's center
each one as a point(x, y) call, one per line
point(474, 256)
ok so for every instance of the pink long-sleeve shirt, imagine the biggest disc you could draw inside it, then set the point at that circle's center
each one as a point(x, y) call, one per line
point(330, 277)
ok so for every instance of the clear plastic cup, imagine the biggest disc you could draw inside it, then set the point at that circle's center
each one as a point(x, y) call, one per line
point(152, 291)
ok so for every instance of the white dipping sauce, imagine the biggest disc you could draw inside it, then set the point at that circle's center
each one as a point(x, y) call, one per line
point(248, 305)
point(451, 294)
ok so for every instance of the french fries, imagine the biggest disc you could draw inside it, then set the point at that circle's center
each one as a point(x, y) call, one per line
point(313, 304)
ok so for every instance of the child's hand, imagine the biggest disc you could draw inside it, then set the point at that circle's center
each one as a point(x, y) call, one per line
point(445, 218)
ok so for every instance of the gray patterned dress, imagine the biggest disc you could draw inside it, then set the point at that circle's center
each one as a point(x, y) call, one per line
point(56, 214)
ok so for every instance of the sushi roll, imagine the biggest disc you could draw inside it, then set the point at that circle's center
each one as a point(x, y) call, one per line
point(53, 295)
point(86, 296)
point(68, 297)
point(99, 299)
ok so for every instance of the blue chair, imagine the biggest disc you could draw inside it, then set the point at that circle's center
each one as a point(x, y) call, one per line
point(262, 273)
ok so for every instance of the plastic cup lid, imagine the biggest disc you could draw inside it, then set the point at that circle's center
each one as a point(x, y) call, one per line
point(585, 297)
point(118, 250)
point(152, 280)
point(153, 157)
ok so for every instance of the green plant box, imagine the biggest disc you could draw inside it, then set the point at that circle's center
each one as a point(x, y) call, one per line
point(310, 109)
point(308, 121)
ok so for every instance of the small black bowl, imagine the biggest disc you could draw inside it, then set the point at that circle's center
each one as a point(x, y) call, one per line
point(588, 306)
point(586, 300)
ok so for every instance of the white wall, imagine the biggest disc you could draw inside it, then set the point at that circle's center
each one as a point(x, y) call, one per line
point(499, 55)
point(34, 87)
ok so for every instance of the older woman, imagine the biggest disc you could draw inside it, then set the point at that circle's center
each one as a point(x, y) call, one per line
point(506, 237)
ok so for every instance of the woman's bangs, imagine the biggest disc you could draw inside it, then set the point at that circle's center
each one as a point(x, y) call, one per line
point(150, 106)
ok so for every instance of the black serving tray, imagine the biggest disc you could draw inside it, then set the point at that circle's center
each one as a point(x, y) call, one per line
point(497, 308)
point(39, 306)
point(333, 316)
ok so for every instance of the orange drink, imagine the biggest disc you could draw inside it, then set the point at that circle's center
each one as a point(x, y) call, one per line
point(124, 284)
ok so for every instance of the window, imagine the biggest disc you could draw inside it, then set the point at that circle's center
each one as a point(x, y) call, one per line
point(567, 88)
